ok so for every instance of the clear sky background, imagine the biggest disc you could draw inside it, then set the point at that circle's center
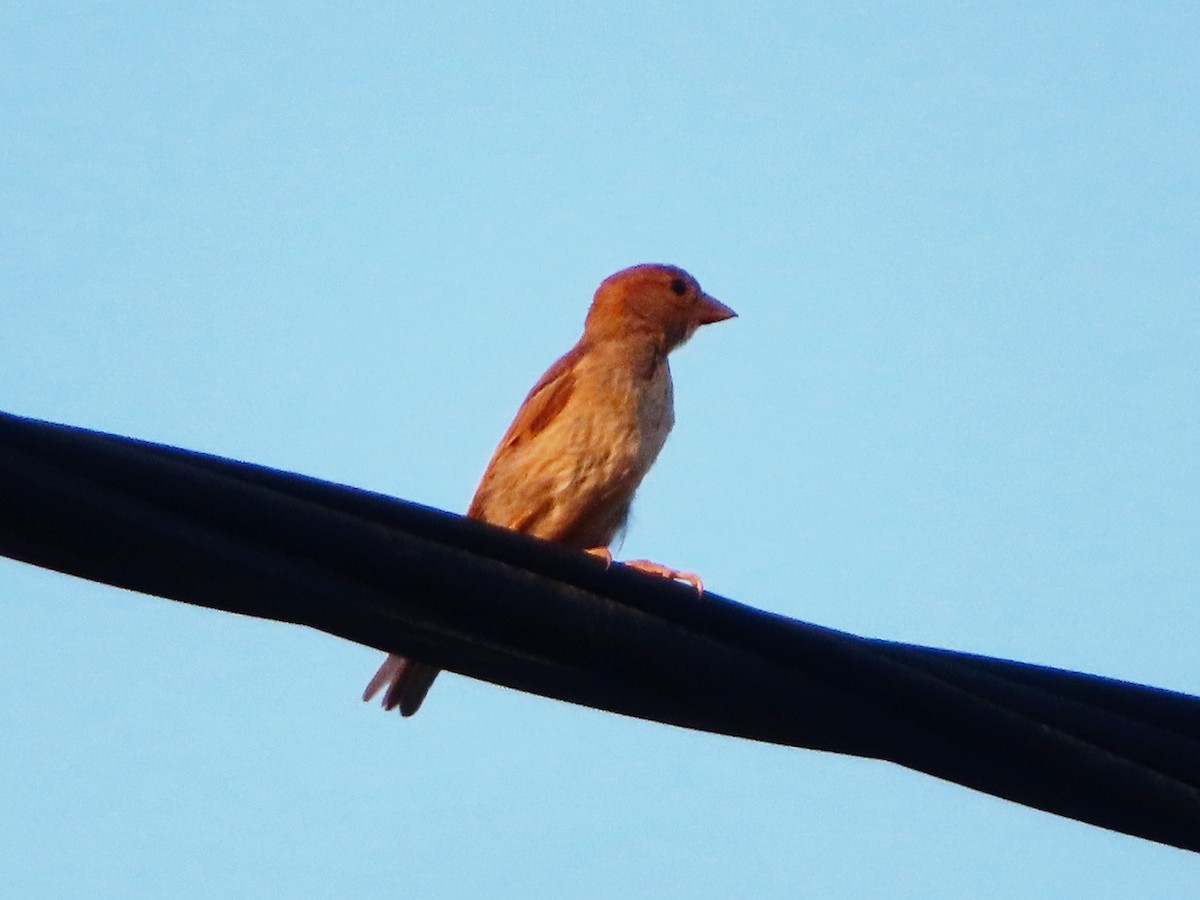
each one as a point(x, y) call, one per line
point(959, 408)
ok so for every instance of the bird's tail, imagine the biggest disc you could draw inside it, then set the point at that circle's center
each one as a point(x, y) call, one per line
point(407, 682)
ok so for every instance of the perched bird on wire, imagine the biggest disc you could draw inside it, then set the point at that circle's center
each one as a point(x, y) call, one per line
point(585, 437)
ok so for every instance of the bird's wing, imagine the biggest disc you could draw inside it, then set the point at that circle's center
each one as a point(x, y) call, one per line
point(544, 402)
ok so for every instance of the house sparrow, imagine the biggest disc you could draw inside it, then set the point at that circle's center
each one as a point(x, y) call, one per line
point(589, 431)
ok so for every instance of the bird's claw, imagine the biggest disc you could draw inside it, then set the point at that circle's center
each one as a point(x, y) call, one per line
point(653, 568)
point(601, 553)
point(650, 568)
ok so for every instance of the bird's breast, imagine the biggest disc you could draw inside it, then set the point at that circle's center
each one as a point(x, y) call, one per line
point(612, 429)
point(655, 413)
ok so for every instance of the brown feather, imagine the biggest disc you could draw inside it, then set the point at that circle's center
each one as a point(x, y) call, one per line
point(587, 433)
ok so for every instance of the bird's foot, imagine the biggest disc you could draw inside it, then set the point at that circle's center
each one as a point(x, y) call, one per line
point(601, 553)
point(653, 568)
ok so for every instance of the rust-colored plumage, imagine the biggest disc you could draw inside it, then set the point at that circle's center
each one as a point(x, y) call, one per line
point(585, 437)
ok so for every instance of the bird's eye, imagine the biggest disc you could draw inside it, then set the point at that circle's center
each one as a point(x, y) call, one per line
point(678, 287)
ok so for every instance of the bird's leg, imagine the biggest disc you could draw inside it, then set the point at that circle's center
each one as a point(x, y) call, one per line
point(653, 568)
point(601, 553)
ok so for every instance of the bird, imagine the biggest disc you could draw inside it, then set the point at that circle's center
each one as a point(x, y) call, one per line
point(568, 466)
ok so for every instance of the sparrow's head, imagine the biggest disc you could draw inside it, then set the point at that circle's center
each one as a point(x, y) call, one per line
point(663, 302)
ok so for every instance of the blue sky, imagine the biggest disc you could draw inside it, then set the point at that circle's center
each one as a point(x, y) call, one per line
point(958, 408)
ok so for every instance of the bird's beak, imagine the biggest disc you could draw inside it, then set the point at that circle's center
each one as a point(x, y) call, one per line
point(709, 310)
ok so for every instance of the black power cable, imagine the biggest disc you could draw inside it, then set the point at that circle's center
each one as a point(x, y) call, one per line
point(505, 608)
